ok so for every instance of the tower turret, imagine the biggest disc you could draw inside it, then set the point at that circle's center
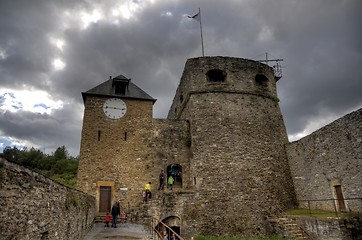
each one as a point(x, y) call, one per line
point(239, 167)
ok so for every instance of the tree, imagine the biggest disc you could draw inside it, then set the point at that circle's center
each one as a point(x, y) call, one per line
point(11, 154)
point(31, 158)
point(61, 153)
point(59, 166)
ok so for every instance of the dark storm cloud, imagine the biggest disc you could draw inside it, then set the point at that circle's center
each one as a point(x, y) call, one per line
point(322, 53)
point(44, 131)
point(23, 27)
point(319, 40)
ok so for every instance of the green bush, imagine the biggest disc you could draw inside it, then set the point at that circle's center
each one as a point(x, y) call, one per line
point(58, 166)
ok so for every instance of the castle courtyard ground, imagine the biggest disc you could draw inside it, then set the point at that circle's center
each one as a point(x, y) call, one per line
point(127, 231)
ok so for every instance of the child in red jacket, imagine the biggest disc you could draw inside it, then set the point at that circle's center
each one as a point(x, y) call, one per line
point(108, 219)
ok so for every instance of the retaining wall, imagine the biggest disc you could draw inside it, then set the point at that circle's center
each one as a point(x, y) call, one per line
point(328, 158)
point(35, 207)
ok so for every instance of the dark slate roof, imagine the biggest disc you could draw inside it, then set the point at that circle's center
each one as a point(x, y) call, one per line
point(106, 89)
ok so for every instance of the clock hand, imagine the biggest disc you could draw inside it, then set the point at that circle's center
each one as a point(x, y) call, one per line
point(115, 108)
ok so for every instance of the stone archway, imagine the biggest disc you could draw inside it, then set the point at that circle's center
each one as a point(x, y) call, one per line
point(175, 170)
point(174, 222)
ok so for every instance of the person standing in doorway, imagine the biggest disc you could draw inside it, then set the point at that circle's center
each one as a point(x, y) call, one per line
point(170, 181)
point(162, 180)
point(173, 237)
point(115, 212)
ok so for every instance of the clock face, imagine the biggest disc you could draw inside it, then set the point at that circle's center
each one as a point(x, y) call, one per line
point(114, 108)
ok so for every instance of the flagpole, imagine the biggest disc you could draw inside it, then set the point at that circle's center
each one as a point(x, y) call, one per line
point(202, 40)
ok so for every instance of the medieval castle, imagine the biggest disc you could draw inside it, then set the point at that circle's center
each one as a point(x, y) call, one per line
point(225, 142)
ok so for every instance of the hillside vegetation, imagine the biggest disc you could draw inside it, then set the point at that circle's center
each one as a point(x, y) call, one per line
point(58, 166)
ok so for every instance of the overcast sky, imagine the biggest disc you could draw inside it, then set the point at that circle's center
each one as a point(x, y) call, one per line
point(52, 50)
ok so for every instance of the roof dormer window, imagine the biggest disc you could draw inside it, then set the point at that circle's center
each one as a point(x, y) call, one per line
point(120, 84)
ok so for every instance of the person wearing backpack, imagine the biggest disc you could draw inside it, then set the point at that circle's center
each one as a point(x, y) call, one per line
point(170, 181)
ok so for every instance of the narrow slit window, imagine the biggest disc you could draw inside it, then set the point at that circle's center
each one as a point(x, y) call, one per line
point(125, 136)
point(99, 135)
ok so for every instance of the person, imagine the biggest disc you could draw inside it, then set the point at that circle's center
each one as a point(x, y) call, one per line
point(108, 219)
point(170, 181)
point(165, 237)
point(115, 212)
point(144, 196)
point(173, 237)
point(162, 180)
point(148, 190)
point(123, 217)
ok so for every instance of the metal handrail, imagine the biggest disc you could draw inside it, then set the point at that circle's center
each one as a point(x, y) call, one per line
point(153, 228)
point(336, 210)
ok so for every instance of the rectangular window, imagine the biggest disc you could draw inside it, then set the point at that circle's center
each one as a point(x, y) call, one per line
point(125, 136)
point(99, 135)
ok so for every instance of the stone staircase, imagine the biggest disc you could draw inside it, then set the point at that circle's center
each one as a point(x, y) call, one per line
point(100, 218)
point(291, 228)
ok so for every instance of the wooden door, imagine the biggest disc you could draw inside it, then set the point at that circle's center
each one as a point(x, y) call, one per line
point(105, 199)
point(340, 198)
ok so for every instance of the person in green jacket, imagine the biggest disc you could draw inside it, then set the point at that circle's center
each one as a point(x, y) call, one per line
point(170, 181)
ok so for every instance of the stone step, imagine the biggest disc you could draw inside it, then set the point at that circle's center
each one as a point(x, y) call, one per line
point(292, 228)
point(101, 219)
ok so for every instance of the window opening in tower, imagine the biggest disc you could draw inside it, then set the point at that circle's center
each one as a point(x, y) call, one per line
point(216, 75)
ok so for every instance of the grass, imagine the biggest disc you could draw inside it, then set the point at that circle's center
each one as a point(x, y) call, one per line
point(238, 238)
point(296, 212)
point(313, 213)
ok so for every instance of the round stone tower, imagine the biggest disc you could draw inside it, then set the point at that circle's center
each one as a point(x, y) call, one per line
point(239, 167)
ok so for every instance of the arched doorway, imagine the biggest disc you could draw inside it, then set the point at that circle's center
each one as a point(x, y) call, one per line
point(176, 171)
point(172, 222)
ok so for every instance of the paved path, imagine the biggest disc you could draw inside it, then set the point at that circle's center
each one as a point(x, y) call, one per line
point(126, 231)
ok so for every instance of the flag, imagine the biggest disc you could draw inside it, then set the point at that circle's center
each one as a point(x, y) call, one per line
point(196, 17)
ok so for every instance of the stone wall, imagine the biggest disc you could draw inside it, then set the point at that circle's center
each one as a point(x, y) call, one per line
point(329, 157)
point(331, 229)
point(129, 152)
point(175, 208)
point(36, 207)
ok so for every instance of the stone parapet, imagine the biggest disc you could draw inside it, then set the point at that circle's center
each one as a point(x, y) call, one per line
point(36, 207)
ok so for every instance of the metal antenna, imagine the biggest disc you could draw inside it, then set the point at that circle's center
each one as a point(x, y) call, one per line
point(277, 67)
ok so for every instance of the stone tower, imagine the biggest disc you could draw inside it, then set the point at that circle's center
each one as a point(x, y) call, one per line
point(239, 166)
point(117, 114)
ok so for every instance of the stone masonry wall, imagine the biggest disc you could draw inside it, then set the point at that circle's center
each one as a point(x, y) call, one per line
point(328, 157)
point(330, 229)
point(130, 151)
point(114, 151)
point(35, 207)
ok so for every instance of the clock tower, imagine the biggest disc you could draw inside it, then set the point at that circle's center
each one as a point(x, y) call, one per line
point(115, 112)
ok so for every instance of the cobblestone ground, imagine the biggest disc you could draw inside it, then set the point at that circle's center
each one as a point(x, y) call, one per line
point(126, 231)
